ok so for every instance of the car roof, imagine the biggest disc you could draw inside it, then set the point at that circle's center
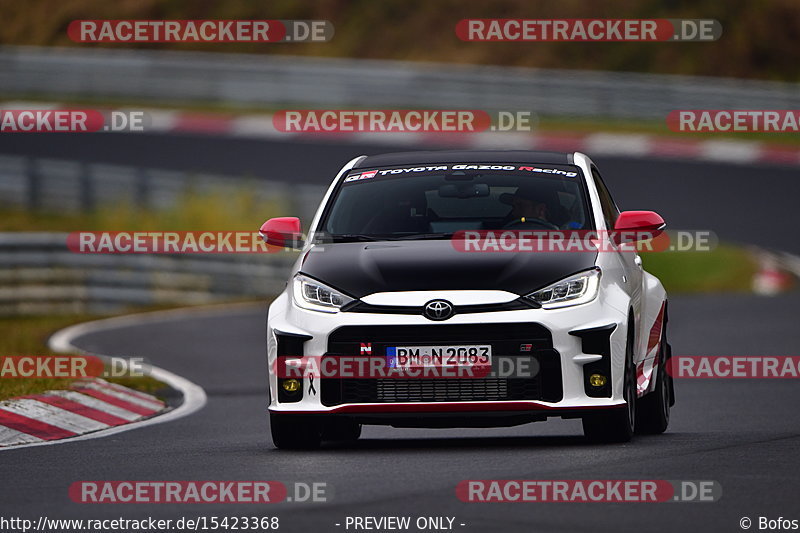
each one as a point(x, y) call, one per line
point(465, 156)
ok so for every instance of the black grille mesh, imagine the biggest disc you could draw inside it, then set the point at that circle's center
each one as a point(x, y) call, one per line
point(505, 339)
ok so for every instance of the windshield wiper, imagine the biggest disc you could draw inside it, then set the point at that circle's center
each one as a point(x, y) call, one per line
point(360, 237)
point(421, 236)
point(355, 237)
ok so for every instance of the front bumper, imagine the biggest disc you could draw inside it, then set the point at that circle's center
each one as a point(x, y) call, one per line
point(563, 347)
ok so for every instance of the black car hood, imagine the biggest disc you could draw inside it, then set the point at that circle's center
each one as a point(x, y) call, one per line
point(364, 268)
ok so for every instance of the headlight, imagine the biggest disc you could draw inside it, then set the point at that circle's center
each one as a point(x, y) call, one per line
point(312, 294)
point(577, 289)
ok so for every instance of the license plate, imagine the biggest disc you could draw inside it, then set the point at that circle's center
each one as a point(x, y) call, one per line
point(408, 357)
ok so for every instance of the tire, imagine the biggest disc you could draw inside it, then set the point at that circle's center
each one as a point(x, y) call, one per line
point(295, 432)
point(652, 413)
point(341, 430)
point(616, 425)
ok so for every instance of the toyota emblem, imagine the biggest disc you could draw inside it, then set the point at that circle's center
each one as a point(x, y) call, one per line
point(438, 310)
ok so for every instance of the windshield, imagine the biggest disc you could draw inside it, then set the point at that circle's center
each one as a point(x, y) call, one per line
point(437, 201)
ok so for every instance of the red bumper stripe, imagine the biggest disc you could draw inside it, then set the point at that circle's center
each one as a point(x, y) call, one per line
point(460, 407)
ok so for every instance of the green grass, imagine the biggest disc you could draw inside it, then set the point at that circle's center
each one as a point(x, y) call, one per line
point(726, 268)
point(229, 209)
point(28, 336)
point(14, 388)
point(232, 209)
point(141, 383)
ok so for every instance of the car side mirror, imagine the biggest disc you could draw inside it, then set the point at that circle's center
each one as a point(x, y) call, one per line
point(282, 231)
point(635, 226)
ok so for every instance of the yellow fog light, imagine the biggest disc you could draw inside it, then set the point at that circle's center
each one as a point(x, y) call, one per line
point(290, 385)
point(597, 380)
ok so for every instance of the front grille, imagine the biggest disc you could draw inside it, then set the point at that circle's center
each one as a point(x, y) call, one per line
point(505, 339)
point(438, 390)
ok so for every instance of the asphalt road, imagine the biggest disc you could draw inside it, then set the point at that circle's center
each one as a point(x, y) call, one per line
point(743, 434)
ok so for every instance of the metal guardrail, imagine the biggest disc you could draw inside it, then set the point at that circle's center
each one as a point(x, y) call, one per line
point(39, 275)
point(277, 81)
point(67, 185)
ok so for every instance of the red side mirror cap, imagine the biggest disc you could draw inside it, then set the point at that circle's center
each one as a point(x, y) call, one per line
point(282, 231)
point(634, 226)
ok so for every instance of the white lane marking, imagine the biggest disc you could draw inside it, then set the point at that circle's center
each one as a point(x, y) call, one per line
point(507, 140)
point(125, 397)
point(50, 414)
point(257, 126)
point(94, 403)
point(161, 120)
point(387, 137)
point(730, 151)
point(11, 437)
point(126, 390)
point(612, 143)
point(194, 397)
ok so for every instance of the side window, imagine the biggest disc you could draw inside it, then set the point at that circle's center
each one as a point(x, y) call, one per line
point(610, 211)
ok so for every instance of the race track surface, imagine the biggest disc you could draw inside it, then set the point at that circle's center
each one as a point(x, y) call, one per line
point(743, 434)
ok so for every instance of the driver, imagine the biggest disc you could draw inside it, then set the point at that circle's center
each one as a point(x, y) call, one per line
point(523, 208)
point(528, 205)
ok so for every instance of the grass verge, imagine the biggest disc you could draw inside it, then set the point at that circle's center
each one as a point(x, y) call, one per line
point(726, 268)
point(28, 336)
point(233, 209)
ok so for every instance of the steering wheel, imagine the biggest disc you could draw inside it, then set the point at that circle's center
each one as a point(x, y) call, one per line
point(523, 224)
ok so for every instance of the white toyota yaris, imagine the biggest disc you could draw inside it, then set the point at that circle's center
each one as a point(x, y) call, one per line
point(434, 289)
